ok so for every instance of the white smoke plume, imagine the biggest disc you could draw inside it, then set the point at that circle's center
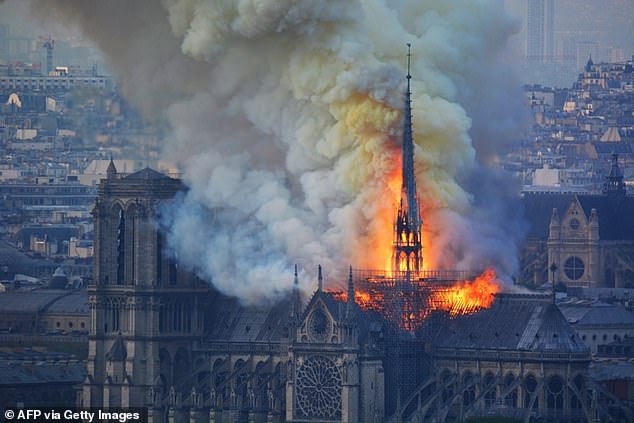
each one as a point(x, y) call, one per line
point(290, 143)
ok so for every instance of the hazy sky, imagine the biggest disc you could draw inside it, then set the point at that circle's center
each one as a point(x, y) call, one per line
point(609, 23)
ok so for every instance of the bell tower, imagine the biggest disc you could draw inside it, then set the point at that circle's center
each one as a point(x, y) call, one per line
point(407, 255)
point(145, 311)
point(614, 184)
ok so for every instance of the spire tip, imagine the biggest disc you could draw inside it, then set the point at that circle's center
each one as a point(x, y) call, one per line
point(409, 55)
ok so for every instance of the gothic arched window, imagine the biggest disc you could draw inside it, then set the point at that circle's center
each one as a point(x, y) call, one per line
point(555, 393)
point(530, 392)
point(511, 397)
point(468, 395)
point(121, 248)
point(491, 390)
point(130, 250)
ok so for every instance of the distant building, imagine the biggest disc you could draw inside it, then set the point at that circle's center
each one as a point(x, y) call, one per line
point(540, 31)
point(617, 376)
point(97, 169)
point(82, 248)
point(581, 240)
point(564, 180)
point(39, 379)
point(43, 310)
point(598, 323)
point(22, 195)
point(14, 262)
point(59, 83)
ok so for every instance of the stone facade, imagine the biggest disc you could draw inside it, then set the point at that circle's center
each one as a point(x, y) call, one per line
point(588, 238)
point(162, 338)
point(144, 309)
point(582, 241)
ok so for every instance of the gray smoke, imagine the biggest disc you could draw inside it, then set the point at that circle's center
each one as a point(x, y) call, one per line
point(285, 118)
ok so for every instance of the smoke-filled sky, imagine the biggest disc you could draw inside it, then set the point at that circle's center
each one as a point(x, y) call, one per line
point(285, 118)
point(607, 22)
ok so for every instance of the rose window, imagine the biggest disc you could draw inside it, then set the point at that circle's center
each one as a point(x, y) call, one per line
point(318, 388)
point(319, 326)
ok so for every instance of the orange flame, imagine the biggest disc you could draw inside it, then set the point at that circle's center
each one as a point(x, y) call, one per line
point(467, 297)
point(461, 297)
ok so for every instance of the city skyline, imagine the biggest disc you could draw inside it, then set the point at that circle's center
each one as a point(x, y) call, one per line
point(337, 211)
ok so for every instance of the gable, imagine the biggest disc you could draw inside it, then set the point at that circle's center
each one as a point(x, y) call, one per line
point(574, 222)
point(615, 213)
point(318, 325)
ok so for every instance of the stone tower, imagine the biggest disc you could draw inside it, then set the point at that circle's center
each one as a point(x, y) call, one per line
point(145, 310)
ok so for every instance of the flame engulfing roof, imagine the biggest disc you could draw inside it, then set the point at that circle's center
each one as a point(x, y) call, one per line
point(407, 299)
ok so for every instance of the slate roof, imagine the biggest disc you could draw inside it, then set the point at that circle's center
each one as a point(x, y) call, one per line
point(615, 213)
point(45, 300)
point(146, 173)
point(12, 257)
point(16, 373)
point(538, 209)
point(514, 322)
point(612, 147)
point(42, 368)
point(596, 314)
point(233, 321)
point(75, 303)
point(28, 301)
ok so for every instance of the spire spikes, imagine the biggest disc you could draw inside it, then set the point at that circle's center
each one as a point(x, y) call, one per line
point(409, 178)
point(112, 169)
point(320, 279)
point(407, 254)
point(409, 56)
point(350, 287)
point(295, 301)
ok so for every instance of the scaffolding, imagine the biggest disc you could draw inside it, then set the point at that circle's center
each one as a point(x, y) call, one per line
point(406, 300)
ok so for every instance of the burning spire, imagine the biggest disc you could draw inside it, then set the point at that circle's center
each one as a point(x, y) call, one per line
point(407, 254)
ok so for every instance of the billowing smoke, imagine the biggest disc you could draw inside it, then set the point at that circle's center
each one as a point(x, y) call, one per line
point(286, 120)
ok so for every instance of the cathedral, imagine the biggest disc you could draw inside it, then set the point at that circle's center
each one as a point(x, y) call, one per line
point(163, 339)
point(581, 240)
